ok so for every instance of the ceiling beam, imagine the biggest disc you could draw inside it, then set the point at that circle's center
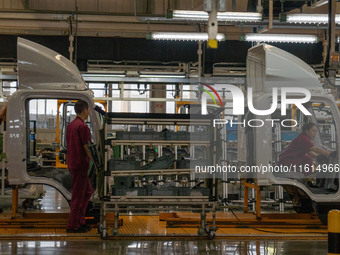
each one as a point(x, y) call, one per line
point(123, 26)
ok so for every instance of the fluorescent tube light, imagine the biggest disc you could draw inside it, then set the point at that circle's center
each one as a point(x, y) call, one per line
point(183, 36)
point(319, 3)
point(281, 38)
point(310, 18)
point(102, 75)
point(162, 75)
point(190, 15)
point(239, 16)
point(221, 16)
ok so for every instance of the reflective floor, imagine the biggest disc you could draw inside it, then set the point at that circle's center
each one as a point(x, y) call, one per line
point(163, 247)
point(51, 200)
point(151, 225)
point(52, 215)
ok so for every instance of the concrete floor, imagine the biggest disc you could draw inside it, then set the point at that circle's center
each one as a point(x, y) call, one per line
point(163, 247)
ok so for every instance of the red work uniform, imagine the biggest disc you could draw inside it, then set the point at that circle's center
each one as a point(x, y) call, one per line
point(296, 154)
point(78, 135)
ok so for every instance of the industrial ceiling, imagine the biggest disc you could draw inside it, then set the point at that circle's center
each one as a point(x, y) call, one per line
point(115, 30)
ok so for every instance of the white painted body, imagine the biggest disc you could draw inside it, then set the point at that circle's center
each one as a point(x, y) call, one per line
point(43, 74)
point(265, 65)
point(43, 68)
point(268, 66)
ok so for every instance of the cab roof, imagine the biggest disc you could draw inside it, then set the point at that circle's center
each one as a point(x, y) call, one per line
point(43, 68)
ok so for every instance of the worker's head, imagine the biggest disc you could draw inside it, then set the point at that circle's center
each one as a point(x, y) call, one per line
point(310, 129)
point(82, 109)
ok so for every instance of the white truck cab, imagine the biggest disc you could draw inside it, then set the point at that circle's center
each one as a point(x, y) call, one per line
point(269, 67)
point(42, 74)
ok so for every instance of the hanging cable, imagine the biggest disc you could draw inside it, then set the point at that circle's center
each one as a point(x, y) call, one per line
point(326, 66)
point(71, 48)
point(76, 34)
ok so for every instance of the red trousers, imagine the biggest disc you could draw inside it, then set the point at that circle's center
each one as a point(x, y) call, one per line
point(304, 161)
point(81, 194)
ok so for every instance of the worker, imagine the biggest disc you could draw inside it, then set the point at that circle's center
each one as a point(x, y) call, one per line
point(301, 150)
point(78, 137)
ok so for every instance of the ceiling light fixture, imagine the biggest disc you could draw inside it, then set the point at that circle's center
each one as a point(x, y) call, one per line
point(103, 75)
point(319, 3)
point(310, 18)
point(280, 38)
point(221, 16)
point(183, 36)
point(162, 75)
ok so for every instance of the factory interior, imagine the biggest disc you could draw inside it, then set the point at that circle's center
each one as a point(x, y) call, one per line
point(169, 127)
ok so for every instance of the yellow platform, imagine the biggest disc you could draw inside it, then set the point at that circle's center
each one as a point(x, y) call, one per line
point(140, 226)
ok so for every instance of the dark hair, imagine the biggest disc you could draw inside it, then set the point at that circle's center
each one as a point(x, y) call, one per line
point(307, 126)
point(80, 106)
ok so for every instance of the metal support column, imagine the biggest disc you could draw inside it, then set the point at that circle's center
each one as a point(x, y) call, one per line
point(15, 195)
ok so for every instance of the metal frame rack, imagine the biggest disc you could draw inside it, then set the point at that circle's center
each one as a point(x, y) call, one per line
point(3, 179)
point(116, 204)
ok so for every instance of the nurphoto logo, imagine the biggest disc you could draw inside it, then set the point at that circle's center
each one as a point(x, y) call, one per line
point(238, 104)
